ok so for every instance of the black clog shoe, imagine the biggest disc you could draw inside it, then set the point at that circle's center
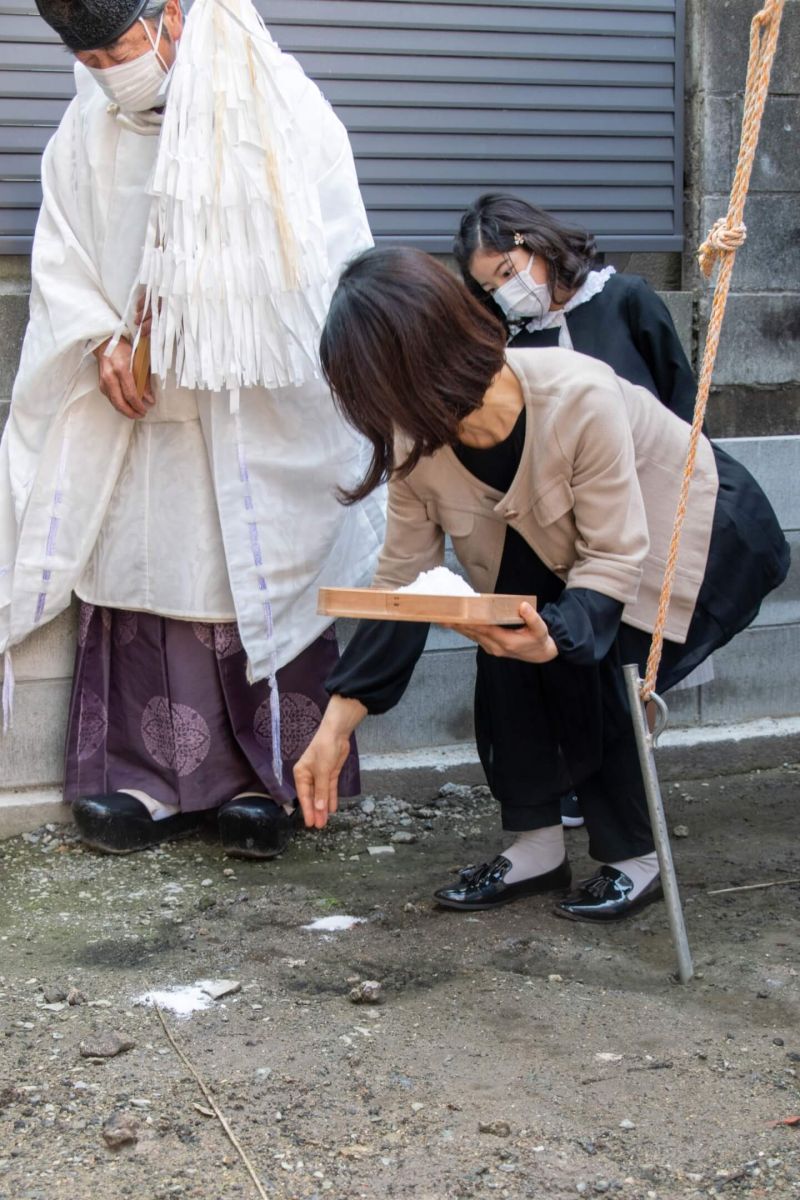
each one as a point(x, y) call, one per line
point(485, 887)
point(604, 897)
point(256, 827)
point(120, 824)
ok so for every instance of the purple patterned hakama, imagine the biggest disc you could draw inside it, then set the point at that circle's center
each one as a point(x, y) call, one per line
point(164, 707)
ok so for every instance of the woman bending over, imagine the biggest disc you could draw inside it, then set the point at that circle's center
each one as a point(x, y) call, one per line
point(554, 478)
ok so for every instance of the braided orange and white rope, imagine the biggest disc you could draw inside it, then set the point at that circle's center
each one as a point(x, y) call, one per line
point(724, 239)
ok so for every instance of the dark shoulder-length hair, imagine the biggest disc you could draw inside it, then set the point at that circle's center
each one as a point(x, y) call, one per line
point(406, 349)
point(496, 222)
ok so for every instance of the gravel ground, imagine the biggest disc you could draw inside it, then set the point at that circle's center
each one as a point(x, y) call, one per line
point(510, 1053)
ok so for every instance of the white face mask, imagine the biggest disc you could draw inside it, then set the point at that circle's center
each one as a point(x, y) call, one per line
point(522, 298)
point(140, 84)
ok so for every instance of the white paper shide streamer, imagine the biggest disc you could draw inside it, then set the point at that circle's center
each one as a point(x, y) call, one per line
point(235, 267)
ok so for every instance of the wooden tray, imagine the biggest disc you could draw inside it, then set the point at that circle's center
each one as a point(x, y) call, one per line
point(413, 606)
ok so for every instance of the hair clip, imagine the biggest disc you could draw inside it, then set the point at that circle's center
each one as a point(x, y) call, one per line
point(519, 240)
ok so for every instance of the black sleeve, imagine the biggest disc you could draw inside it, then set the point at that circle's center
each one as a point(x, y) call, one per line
point(377, 664)
point(583, 624)
point(656, 339)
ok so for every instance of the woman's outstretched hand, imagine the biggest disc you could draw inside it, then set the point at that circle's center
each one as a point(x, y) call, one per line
point(316, 774)
point(530, 642)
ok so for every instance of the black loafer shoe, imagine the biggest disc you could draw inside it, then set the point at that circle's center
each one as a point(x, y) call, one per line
point(604, 897)
point(484, 887)
point(121, 824)
point(255, 827)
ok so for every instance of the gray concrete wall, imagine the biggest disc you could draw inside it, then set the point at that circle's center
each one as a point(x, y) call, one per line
point(757, 376)
point(14, 289)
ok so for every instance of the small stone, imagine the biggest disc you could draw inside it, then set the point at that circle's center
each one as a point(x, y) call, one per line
point(75, 997)
point(55, 994)
point(778, 1042)
point(217, 988)
point(228, 872)
point(106, 1044)
point(378, 851)
point(601, 1186)
point(206, 882)
point(606, 1057)
point(762, 995)
point(367, 806)
point(555, 979)
point(417, 1107)
point(626, 1124)
point(793, 1056)
point(495, 1128)
point(403, 837)
point(369, 991)
point(461, 791)
point(120, 1130)
point(426, 814)
point(681, 831)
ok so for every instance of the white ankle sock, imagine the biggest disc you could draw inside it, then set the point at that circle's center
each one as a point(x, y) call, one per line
point(641, 870)
point(157, 810)
point(535, 852)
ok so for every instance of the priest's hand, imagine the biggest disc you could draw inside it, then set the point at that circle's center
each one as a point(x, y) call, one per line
point(316, 774)
point(530, 642)
point(117, 383)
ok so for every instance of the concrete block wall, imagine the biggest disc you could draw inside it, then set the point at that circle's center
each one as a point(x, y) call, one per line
point(757, 377)
point(14, 290)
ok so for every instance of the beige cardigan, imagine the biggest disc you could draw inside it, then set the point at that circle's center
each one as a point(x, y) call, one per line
point(594, 495)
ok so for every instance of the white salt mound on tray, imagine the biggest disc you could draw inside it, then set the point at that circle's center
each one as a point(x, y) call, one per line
point(439, 582)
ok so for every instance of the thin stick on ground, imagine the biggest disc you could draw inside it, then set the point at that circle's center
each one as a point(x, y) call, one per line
point(218, 1113)
point(751, 887)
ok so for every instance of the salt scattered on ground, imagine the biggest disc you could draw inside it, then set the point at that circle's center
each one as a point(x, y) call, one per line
point(334, 924)
point(439, 582)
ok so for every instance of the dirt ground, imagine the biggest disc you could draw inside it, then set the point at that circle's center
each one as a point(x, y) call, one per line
point(513, 1053)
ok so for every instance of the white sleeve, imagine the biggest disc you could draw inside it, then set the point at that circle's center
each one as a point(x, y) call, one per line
point(344, 218)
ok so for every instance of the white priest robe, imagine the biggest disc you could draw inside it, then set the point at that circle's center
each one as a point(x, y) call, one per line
point(193, 512)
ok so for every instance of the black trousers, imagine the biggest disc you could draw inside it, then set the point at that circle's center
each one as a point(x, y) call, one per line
point(540, 728)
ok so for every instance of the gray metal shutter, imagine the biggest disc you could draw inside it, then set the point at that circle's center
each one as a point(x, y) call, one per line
point(575, 105)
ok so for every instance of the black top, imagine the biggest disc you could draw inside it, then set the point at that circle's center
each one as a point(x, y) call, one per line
point(379, 660)
point(629, 327)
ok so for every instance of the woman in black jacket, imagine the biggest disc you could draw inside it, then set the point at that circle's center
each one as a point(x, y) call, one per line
point(546, 284)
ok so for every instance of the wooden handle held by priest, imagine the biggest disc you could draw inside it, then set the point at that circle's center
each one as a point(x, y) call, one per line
point(141, 366)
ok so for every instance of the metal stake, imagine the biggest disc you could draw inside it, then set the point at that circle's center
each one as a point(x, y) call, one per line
point(645, 742)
